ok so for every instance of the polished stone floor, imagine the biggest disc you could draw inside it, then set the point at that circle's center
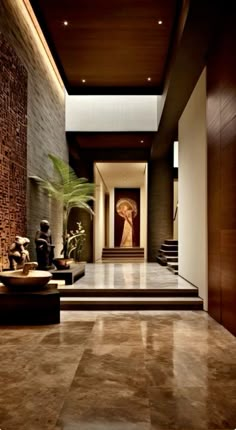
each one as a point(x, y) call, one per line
point(129, 276)
point(119, 371)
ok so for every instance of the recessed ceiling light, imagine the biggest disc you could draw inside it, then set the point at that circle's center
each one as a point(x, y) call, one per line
point(65, 23)
point(84, 81)
point(149, 79)
point(141, 141)
point(160, 22)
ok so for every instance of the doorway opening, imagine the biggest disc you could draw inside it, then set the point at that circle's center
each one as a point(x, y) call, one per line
point(120, 223)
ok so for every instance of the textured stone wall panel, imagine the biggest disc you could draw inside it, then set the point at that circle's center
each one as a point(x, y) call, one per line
point(13, 147)
point(46, 117)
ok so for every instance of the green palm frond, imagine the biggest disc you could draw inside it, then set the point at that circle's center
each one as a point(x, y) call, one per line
point(67, 187)
point(81, 205)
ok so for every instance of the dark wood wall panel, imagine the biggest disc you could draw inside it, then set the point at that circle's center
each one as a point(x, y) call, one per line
point(221, 123)
point(13, 146)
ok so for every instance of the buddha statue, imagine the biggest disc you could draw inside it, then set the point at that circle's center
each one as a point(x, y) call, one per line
point(18, 254)
point(44, 246)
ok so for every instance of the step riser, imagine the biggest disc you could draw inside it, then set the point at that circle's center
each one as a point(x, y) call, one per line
point(171, 242)
point(172, 259)
point(129, 306)
point(169, 247)
point(175, 271)
point(174, 266)
point(117, 254)
point(129, 293)
point(123, 250)
point(122, 255)
point(170, 253)
point(162, 261)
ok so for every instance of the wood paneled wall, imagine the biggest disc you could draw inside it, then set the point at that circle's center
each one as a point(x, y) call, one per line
point(160, 203)
point(221, 124)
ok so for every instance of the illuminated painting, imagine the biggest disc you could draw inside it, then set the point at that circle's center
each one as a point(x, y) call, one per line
point(127, 217)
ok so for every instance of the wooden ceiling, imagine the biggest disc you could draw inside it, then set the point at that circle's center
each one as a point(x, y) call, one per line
point(114, 140)
point(110, 146)
point(114, 45)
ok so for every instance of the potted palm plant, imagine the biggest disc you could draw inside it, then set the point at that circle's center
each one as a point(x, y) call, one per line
point(72, 192)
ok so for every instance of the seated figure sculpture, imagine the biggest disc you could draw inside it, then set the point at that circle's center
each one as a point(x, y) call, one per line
point(44, 246)
point(18, 255)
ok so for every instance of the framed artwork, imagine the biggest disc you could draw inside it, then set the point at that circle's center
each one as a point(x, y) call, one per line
point(127, 217)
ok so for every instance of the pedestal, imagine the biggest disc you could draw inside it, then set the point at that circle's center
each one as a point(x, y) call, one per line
point(30, 307)
point(76, 271)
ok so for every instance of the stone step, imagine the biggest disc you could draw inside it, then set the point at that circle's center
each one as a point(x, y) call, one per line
point(123, 250)
point(66, 291)
point(161, 260)
point(123, 255)
point(126, 259)
point(114, 255)
point(171, 242)
point(131, 303)
point(174, 265)
point(166, 252)
point(173, 270)
point(172, 259)
point(167, 247)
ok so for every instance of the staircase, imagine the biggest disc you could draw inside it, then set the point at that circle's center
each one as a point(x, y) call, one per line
point(168, 255)
point(130, 299)
point(123, 255)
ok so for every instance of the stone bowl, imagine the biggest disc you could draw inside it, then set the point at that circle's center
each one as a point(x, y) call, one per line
point(35, 280)
point(62, 263)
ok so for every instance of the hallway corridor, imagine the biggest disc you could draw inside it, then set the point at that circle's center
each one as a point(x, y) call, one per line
point(119, 371)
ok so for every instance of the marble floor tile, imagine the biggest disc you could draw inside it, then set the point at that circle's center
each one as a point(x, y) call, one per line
point(104, 419)
point(200, 408)
point(129, 276)
point(123, 366)
point(147, 370)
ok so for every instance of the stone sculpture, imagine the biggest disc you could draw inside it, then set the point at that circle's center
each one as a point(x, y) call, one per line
point(18, 255)
point(44, 246)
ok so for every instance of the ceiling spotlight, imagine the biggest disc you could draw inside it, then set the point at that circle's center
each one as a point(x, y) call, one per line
point(84, 81)
point(160, 22)
point(141, 141)
point(65, 23)
point(149, 79)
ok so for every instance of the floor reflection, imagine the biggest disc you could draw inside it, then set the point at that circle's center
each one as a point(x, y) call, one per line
point(129, 275)
point(119, 370)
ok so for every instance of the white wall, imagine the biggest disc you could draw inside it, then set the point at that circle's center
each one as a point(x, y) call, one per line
point(175, 202)
point(112, 113)
point(193, 190)
point(143, 214)
point(99, 219)
point(111, 218)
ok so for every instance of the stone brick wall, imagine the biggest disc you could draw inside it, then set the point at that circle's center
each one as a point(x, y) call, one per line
point(45, 116)
point(13, 146)
point(160, 204)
